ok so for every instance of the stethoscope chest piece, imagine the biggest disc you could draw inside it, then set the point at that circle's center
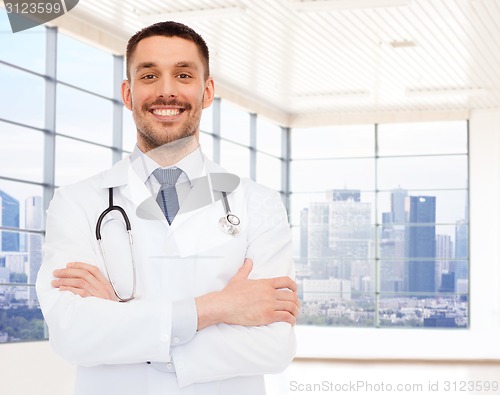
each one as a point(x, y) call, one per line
point(229, 223)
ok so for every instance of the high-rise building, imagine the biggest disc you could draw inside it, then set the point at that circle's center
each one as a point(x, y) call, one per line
point(444, 256)
point(421, 244)
point(392, 244)
point(461, 267)
point(350, 237)
point(304, 228)
point(398, 206)
point(34, 221)
point(9, 217)
point(318, 252)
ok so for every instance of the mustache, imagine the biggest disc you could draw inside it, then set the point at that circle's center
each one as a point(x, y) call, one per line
point(166, 103)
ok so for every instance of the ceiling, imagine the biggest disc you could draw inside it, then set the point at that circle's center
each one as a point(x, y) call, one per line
point(306, 62)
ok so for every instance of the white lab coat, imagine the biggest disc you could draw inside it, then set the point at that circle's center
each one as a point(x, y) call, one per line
point(111, 342)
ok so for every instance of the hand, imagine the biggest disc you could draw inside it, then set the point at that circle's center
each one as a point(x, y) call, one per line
point(250, 302)
point(84, 280)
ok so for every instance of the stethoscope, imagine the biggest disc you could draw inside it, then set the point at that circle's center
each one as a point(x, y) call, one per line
point(229, 223)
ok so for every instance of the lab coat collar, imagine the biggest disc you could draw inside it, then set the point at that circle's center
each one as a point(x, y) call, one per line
point(117, 175)
point(123, 175)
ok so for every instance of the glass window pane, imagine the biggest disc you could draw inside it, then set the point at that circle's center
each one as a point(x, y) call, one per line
point(76, 160)
point(301, 203)
point(422, 138)
point(207, 145)
point(423, 241)
point(450, 206)
point(25, 49)
point(84, 116)
point(268, 171)
point(235, 159)
point(423, 311)
point(335, 301)
point(206, 124)
point(22, 264)
point(333, 142)
point(22, 149)
point(84, 66)
point(431, 172)
point(129, 131)
point(235, 123)
point(17, 86)
point(20, 203)
point(20, 320)
point(318, 175)
point(268, 137)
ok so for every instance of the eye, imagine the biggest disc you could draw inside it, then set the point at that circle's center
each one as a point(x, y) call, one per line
point(148, 77)
point(183, 76)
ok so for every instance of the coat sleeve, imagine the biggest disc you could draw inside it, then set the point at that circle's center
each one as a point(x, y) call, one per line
point(223, 351)
point(92, 331)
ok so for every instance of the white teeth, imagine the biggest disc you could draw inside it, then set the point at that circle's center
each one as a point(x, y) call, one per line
point(166, 112)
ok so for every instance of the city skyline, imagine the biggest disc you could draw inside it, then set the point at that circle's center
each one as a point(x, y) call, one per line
point(402, 258)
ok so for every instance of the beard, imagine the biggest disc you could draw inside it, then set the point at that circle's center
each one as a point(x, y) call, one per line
point(155, 134)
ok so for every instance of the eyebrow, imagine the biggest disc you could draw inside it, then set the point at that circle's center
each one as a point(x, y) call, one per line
point(182, 64)
point(145, 65)
point(186, 64)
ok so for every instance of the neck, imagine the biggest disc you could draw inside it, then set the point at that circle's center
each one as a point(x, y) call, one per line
point(171, 153)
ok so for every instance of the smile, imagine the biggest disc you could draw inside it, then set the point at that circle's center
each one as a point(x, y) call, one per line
point(166, 112)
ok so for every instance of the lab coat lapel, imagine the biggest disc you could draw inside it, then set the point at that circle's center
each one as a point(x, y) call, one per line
point(133, 189)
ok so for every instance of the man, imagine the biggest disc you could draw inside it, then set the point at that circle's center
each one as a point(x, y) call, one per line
point(206, 311)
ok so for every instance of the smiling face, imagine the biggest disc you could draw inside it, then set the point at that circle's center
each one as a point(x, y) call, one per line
point(167, 91)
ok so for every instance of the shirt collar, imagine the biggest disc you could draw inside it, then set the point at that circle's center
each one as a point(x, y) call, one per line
point(192, 164)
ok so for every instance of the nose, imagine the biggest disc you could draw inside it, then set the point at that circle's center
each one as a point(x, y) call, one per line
point(167, 88)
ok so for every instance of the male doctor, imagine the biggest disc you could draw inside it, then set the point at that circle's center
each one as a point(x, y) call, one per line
point(212, 311)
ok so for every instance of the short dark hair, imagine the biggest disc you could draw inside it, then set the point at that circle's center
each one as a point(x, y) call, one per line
point(169, 29)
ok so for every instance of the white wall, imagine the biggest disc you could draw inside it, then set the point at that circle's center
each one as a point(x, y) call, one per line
point(32, 368)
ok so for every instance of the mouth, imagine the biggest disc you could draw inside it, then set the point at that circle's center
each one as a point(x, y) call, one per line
point(166, 114)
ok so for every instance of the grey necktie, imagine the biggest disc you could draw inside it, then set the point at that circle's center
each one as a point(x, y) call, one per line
point(167, 195)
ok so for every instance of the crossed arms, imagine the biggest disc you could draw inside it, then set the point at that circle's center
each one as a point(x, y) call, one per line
point(242, 302)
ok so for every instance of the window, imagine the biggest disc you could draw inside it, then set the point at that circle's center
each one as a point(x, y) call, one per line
point(84, 116)
point(380, 217)
point(82, 147)
point(25, 49)
point(84, 66)
point(379, 213)
point(21, 87)
point(235, 123)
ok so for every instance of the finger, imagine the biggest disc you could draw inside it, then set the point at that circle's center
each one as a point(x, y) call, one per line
point(94, 270)
point(75, 283)
point(284, 316)
point(290, 307)
point(77, 291)
point(286, 295)
point(244, 270)
point(283, 283)
point(82, 274)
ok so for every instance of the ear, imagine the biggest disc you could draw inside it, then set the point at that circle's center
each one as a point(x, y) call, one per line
point(208, 96)
point(126, 94)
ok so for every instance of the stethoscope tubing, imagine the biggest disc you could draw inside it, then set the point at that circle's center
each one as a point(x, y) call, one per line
point(229, 224)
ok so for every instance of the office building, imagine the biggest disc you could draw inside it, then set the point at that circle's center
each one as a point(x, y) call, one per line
point(9, 217)
point(421, 244)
